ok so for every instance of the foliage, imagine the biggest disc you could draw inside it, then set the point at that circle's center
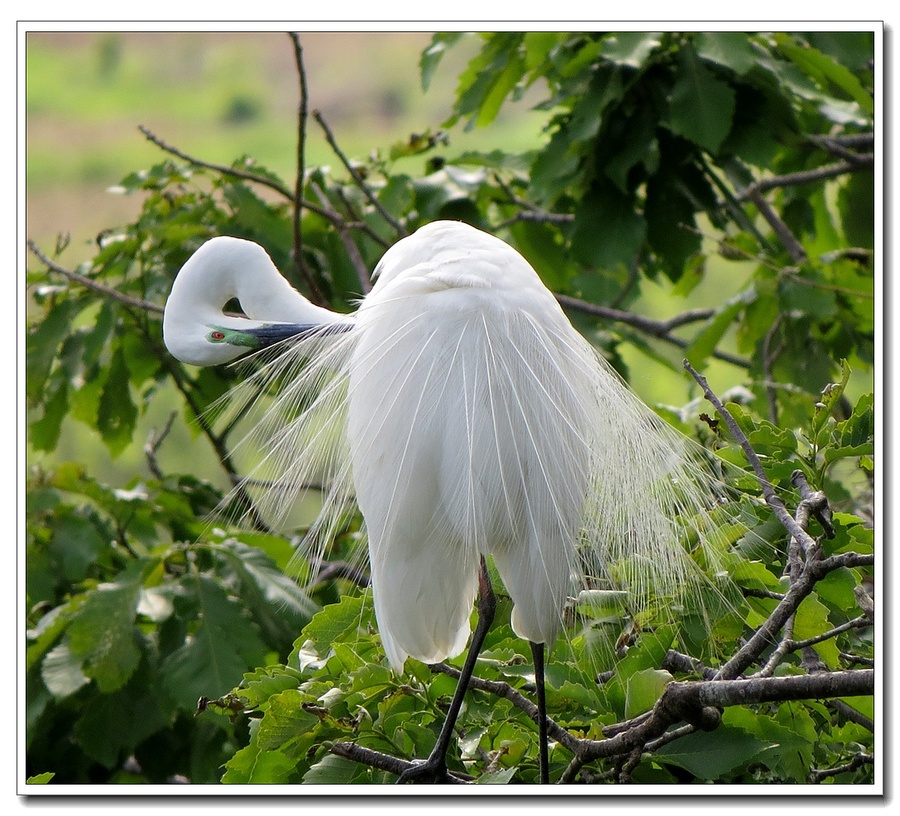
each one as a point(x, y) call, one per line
point(669, 157)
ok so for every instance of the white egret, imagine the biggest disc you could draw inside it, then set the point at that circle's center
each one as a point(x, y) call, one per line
point(468, 418)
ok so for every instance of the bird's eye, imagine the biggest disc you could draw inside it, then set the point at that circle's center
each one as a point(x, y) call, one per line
point(216, 336)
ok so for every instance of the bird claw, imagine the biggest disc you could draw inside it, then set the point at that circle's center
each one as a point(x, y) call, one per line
point(425, 772)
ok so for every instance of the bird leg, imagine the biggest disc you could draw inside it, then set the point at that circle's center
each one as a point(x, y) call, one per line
point(434, 769)
point(537, 652)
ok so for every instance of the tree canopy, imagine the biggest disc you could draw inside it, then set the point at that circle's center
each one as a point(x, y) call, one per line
point(671, 161)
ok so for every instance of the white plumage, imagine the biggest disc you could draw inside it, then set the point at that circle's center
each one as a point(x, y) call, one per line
point(467, 417)
point(467, 427)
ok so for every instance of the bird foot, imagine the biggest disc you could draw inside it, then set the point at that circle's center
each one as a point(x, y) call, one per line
point(426, 772)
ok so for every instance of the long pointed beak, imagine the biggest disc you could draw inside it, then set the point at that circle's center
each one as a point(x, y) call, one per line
point(272, 333)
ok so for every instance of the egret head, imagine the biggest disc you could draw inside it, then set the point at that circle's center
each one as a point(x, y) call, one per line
point(197, 330)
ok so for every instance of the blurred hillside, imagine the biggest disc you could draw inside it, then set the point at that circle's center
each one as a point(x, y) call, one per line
point(217, 96)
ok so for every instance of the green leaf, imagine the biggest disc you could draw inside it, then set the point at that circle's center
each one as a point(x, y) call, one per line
point(608, 230)
point(76, 543)
point(61, 672)
point(643, 689)
point(40, 779)
point(42, 346)
point(285, 722)
point(710, 756)
point(258, 571)
point(431, 57)
point(489, 78)
point(856, 200)
point(831, 396)
point(261, 684)
point(334, 621)
point(541, 248)
point(501, 777)
point(806, 295)
point(670, 218)
point(730, 49)
point(103, 631)
point(827, 72)
point(250, 765)
point(790, 752)
point(702, 106)
point(648, 653)
point(116, 413)
point(44, 432)
point(811, 619)
point(213, 659)
point(631, 48)
point(332, 770)
point(111, 725)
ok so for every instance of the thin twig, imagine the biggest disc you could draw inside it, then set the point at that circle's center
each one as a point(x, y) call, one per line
point(356, 258)
point(383, 762)
point(772, 499)
point(339, 569)
point(529, 211)
point(863, 162)
point(103, 289)
point(154, 441)
point(303, 270)
point(357, 178)
point(263, 181)
point(506, 691)
point(356, 221)
point(788, 239)
point(857, 761)
point(656, 328)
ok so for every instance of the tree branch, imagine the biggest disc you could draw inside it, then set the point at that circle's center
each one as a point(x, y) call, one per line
point(153, 443)
point(357, 178)
point(224, 170)
point(103, 289)
point(864, 161)
point(656, 328)
point(788, 240)
point(857, 761)
point(356, 258)
point(297, 215)
point(772, 499)
point(507, 692)
point(383, 762)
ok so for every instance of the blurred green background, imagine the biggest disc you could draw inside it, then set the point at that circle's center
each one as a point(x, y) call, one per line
point(218, 96)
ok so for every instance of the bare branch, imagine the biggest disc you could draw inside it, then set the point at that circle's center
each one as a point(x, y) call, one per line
point(303, 270)
point(154, 441)
point(356, 258)
point(529, 211)
point(788, 240)
point(857, 761)
point(340, 569)
point(383, 762)
point(656, 328)
point(772, 499)
point(357, 178)
point(506, 691)
point(106, 291)
point(264, 181)
point(828, 171)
